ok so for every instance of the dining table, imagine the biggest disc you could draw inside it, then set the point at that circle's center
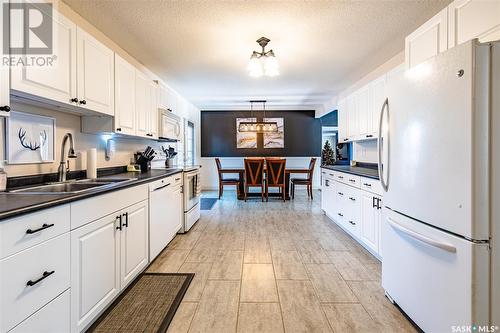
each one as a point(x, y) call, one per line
point(241, 177)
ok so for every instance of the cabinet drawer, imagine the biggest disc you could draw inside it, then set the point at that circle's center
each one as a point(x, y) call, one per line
point(88, 210)
point(339, 176)
point(20, 233)
point(52, 318)
point(371, 185)
point(352, 180)
point(32, 278)
point(353, 210)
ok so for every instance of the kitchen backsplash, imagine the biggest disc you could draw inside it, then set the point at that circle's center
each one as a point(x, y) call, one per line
point(365, 151)
point(122, 148)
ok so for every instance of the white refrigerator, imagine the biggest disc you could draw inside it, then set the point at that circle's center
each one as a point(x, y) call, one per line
point(438, 163)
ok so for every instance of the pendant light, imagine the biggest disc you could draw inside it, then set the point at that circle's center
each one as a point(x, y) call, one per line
point(258, 126)
point(263, 63)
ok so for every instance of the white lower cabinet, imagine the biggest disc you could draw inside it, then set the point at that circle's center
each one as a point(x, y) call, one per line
point(134, 242)
point(32, 278)
point(356, 210)
point(95, 269)
point(52, 318)
point(106, 255)
point(370, 215)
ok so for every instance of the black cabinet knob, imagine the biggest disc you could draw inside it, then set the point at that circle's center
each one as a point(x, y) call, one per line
point(119, 129)
point(83, 102)
point(74, 100)
point(5, 108)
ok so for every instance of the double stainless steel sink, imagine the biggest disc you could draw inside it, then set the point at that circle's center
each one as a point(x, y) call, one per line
point(72, 186)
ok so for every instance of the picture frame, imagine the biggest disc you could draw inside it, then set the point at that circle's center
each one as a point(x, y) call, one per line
point(30, 138)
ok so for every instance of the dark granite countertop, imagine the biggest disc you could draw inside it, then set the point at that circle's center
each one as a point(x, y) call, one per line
point(14, 204)
point(354, 170)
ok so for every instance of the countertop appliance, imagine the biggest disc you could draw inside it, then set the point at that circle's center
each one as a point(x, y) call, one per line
point(192, 193)
point(166, 214)
point(440, 263)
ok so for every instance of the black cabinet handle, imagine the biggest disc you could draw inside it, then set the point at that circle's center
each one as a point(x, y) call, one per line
point(126, 219)
point(352, 199)
point(43, 227)
point(340, 193)
point(118, 129)
point(346, 139)
point(378, 203)
point(169, 110)
point(339, 214)
point(352, 180)
point(340, 177)
point(44, 276)
point(373, 202)
point(74, 100)
point(369, 136)
point(5, 108)
point(83, 102)
point(366, 184)
point(149, 134)
point(119, 218)
point(351, 222)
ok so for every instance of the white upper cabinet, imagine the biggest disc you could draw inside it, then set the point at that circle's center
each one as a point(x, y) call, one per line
point(125, 74)
point(95, 73)
point(342, 120)
point(81, 74)
point(153, 110)
point(352, 117)
point(167, 99)
point(378, 98)
point(461, 21)
point(57, 82)
point(428, 40)
point(142, 104)
point(469, 19)
point(364, 111)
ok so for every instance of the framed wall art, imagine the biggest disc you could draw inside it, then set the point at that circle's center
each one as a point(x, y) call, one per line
point(245, 139)
point(30, 138)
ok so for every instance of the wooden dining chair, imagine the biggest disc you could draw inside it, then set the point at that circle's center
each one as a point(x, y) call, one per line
point(254, 175)
point(305, 181)
point(275, 175)
point(226, 181)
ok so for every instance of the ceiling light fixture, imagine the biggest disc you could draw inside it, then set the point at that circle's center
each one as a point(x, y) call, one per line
point(258, 126)
point(264, 62)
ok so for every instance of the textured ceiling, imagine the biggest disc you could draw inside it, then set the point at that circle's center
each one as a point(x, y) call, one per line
point(201, 48)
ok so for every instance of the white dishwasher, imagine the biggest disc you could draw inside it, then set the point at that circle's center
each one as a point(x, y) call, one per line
point(165, 212)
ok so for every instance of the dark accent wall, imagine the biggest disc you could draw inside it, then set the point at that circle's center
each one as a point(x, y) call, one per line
point(218, 134)
point(330, 119)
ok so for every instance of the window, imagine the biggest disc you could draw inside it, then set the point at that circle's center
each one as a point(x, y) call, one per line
point(190, 143)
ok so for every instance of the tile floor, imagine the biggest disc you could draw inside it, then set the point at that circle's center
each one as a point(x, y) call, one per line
point(276, 267)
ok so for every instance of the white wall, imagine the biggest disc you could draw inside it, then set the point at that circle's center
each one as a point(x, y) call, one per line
point(210, 178)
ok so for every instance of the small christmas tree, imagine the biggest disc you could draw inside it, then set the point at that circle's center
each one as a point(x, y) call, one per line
point(327, 154)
